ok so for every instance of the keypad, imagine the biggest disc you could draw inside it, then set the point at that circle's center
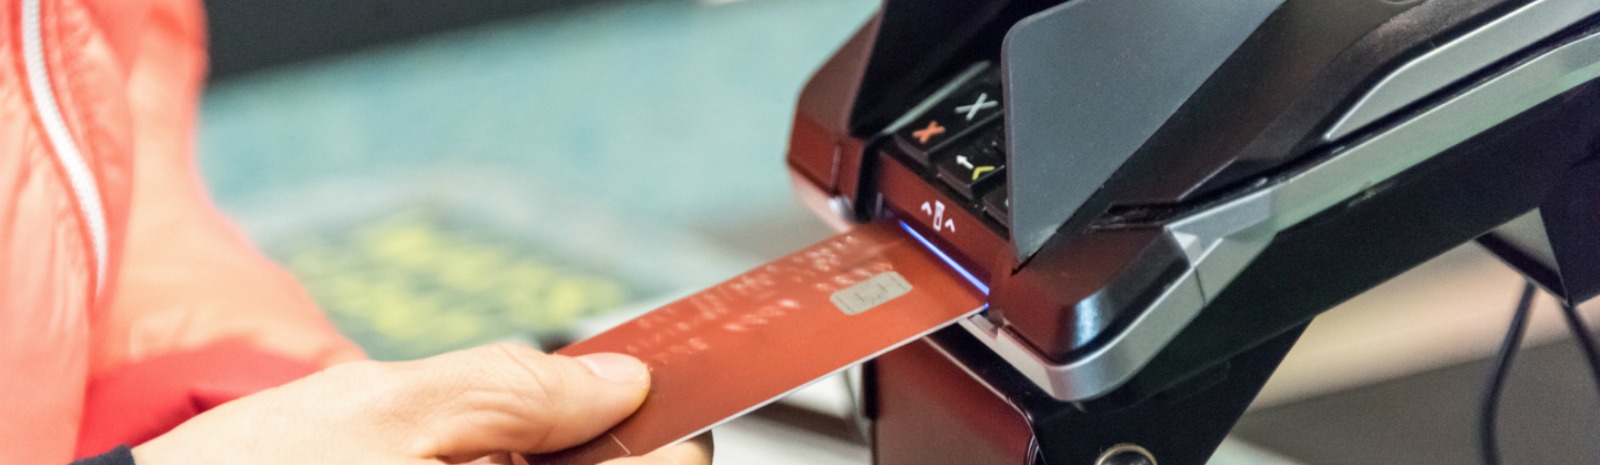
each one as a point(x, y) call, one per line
point(973, 164)
point(959, 143)
point(972, 105)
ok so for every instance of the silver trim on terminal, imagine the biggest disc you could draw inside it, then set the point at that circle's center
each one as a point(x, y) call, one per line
point(79, 176)
point(1458, 58)
point(1220, 241)
point(1097, 373)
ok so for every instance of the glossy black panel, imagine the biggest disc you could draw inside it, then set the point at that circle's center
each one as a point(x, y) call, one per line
point(1460, 194)
point(1268, 105)
point(1089, 81)
point(922, 43)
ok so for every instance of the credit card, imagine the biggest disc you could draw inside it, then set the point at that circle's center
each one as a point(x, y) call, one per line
point(742, 344)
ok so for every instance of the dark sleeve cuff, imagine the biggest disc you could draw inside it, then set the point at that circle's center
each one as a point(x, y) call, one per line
point(122, 455)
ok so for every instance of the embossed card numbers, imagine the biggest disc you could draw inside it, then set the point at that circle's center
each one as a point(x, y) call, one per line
point(748, 341)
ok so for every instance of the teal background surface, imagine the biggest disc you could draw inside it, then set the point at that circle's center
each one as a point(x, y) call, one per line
point(638, 143)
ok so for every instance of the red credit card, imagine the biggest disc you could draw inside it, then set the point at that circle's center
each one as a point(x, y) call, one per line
point(729, 349)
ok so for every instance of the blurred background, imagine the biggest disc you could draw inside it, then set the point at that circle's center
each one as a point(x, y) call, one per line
point(442, 174)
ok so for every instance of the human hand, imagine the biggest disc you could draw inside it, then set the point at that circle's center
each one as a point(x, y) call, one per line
point(480, 403)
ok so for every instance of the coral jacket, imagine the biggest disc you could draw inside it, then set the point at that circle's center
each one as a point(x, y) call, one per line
point(127, 303)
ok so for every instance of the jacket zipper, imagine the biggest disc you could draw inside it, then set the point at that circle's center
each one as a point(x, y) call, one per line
point(84, 187)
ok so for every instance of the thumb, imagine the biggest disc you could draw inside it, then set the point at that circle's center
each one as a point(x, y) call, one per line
point(508, 397)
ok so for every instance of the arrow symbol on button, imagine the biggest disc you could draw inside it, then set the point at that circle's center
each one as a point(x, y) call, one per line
point(963, 161)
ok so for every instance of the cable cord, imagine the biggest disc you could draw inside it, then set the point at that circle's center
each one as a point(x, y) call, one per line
point(1488, 420)
point(1585, 338)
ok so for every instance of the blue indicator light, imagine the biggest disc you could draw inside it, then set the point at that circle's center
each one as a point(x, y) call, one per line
point(947, 260)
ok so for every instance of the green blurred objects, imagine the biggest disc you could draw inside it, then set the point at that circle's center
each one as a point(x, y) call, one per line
point(417, 282)
point(513, 179)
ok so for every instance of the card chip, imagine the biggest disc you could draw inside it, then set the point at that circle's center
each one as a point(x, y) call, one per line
point(748, 341)
point(871, 293)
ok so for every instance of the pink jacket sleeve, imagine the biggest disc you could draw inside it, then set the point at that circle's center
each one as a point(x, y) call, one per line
point(198, 316)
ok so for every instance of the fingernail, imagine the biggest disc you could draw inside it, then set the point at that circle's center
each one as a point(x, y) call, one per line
point(615, 367)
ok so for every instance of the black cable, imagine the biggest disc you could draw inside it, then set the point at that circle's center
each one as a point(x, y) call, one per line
point(1580, 331)
point(1489, 417)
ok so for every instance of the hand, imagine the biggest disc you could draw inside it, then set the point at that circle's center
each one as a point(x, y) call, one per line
point(448, 409)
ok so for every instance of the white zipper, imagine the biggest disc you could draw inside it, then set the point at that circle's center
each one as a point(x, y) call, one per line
point(79, 176)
